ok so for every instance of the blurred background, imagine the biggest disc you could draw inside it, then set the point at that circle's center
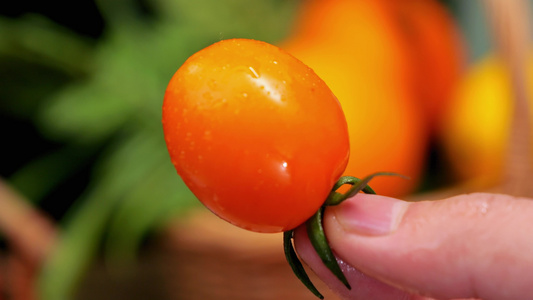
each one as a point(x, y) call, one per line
point(92, 208)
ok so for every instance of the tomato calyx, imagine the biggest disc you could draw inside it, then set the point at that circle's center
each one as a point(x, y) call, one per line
point(317, 237)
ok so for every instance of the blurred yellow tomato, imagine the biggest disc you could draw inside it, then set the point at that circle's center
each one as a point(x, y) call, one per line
point(476, 130)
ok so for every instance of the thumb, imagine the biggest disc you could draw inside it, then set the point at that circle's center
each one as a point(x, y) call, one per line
point(469, 246)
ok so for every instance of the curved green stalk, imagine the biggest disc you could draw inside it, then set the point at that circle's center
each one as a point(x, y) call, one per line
point(296, 265)
point(315, 231)
point(357, 184)
point(316, 234)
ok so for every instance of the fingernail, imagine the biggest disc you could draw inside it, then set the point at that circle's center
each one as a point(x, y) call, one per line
point(370, 214)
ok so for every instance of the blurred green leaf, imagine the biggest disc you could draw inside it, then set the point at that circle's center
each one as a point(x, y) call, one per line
point(37, 39)
point(27, 85)
point(35, 179)
point(84, 114)
point(125, 235)
point(266, 20)
point(94, 109)
point(130, 162)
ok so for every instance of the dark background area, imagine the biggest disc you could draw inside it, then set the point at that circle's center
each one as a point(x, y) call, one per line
point(26, 81)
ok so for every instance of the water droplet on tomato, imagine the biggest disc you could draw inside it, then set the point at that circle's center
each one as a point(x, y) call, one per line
point(270, 87)
point(254, 72)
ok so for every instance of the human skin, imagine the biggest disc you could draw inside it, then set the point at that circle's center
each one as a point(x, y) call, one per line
point(469, 246)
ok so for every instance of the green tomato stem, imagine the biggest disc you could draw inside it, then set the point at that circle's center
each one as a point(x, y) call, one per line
point(315, 231)
point(358, 185)
point(296, 265)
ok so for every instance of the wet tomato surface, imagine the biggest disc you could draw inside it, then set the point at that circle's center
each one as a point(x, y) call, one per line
point(255, 134)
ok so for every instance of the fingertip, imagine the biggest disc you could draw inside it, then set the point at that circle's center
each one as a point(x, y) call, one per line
point(371, 215)
point(449, 248)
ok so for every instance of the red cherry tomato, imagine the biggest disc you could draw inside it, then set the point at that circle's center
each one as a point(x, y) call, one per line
point(255, 134)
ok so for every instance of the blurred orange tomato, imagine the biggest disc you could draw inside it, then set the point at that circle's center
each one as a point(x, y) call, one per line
point(438, 52)
point(356, 47)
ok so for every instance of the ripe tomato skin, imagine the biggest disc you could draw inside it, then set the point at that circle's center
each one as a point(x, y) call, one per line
point(255, 134)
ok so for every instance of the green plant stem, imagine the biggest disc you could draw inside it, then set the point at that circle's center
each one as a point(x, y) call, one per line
point(316, 234)
point(315, 230)
point(296, 265)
